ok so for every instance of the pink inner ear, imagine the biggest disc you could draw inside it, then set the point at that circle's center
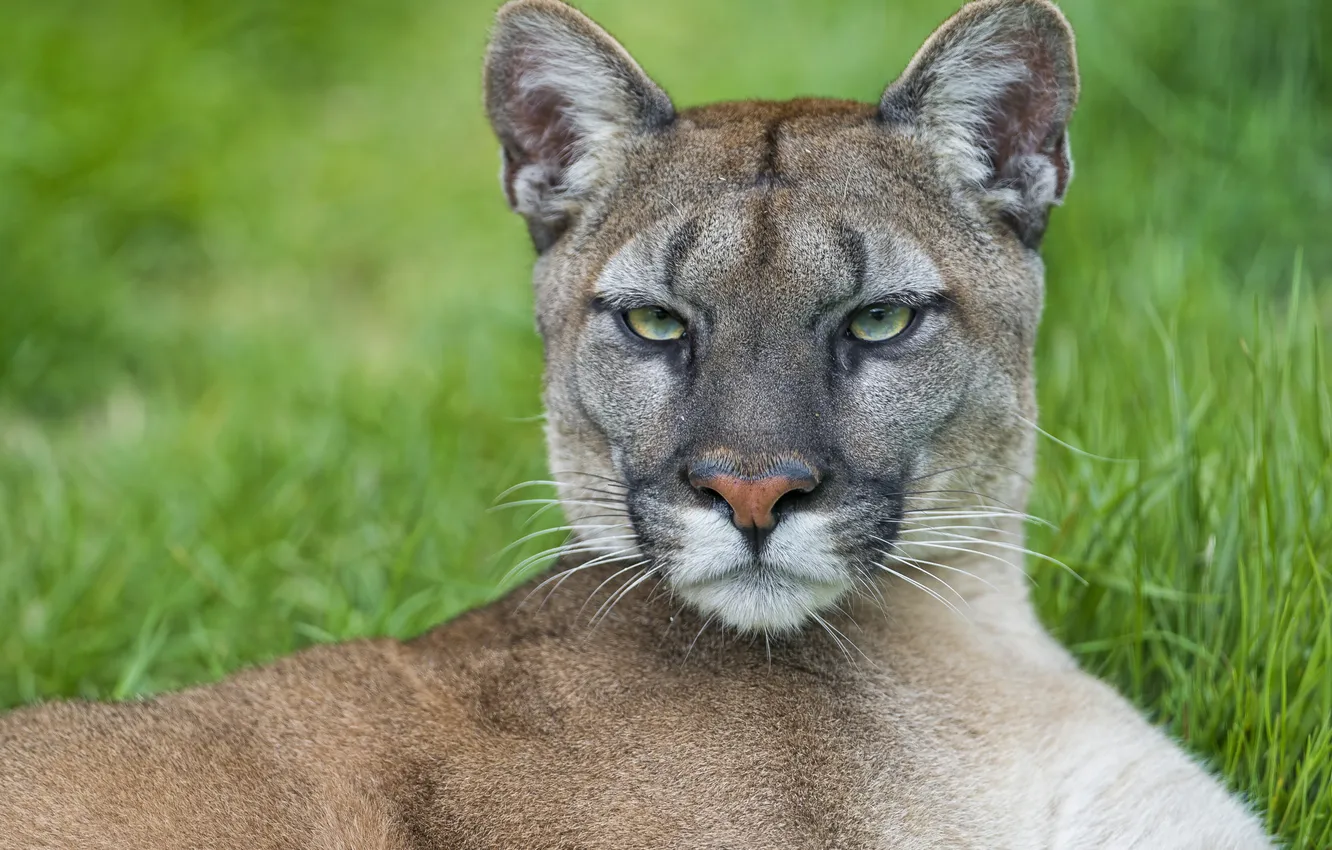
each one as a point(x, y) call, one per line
point(540, 118)
point(542, 133)
point(1025, 120)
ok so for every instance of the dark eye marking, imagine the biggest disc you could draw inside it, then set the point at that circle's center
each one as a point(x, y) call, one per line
point(852, 244)
point(678, 248)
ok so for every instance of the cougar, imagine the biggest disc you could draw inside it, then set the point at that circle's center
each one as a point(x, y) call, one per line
point(791, 410)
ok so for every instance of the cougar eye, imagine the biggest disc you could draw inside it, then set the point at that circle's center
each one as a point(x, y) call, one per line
point(880, 322)
point(655, 323)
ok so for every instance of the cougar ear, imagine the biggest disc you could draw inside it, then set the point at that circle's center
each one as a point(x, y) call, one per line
point(562, 96)
point(992, 91)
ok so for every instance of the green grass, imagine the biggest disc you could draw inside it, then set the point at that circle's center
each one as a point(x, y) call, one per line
point(266, 354)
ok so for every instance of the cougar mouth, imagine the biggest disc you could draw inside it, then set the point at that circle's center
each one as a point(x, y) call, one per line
point(816, 550)
point(762, 602)
point(799, 571)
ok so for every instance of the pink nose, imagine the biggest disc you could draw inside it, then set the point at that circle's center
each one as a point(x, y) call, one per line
point(752, 499)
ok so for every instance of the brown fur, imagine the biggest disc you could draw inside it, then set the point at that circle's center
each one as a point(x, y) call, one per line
point(524, 727)
point(893, 721)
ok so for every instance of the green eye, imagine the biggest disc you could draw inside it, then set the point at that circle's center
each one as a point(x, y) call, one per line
point(881, 322)
point(655, 323)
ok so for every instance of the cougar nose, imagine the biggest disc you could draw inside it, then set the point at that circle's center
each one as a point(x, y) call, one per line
point(752, 499)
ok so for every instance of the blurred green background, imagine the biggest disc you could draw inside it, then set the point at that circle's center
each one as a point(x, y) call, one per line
point(266, 352)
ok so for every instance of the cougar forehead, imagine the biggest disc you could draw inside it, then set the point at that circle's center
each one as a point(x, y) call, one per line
point(813, 179)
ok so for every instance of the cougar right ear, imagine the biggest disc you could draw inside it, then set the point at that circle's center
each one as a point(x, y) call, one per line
point(992, 92)
point(562, 96)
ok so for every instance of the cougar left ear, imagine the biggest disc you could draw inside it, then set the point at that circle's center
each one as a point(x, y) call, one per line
point(992, 91)
point(562, 96)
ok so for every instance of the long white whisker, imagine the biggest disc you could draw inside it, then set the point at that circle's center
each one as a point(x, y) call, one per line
point(701, 629)
point(967, 499)
point(838, 637)
point(560, 577)
point(613, 515)
point(928, 590)
point(1000, 544)
point(575, 546)
point(605, 582)
point(620, 512)
point(957, 514)
point(625, 589)
point(902, 554)
point(596, 503)
point(990, 555)
point(970, 510)
point(547, 483)
point(1044, 433)
point(920, 528)
point(831, 632)
point(918, 498)
point(915, 563)
point(526, 537)
point(561, 551)
point(957, 494)
point(559, 472)
point(870, 587)
point(540, 512)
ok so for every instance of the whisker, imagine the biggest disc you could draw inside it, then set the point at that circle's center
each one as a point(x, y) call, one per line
point(1000, 544)
point(625, 589)
point(548, 483)
point(535, 534)
point(701, 629)
point(965, 511)
point(1002, 561)
point(928, 590)
point(956, 491)
point(596, 503)
point(915, 497)
point(1044, 433)
point(943, 514)
point(915, 564)
point(912, 562)
point(984, 498)
point(540, 512)
point(902, 554)
point(605, 582)
point(923, 527)
point(559, 503)
point(868, 588)
point(966, 466)
point(561, 551)
point(964, 505)
point(910, 559)
point(824, 624)
point(656, 589)
point(612, 515)
point(560, 577)
point(558, 472)
point(837, 636)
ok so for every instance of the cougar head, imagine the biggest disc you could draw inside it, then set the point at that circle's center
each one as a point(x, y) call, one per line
point(774, 332)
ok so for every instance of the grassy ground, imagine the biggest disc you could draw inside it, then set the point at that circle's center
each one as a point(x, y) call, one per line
point(266, 356)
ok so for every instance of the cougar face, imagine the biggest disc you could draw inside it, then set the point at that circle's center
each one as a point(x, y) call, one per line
point(779, 335)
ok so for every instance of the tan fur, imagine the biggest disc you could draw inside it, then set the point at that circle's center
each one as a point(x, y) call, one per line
point(903, 724)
